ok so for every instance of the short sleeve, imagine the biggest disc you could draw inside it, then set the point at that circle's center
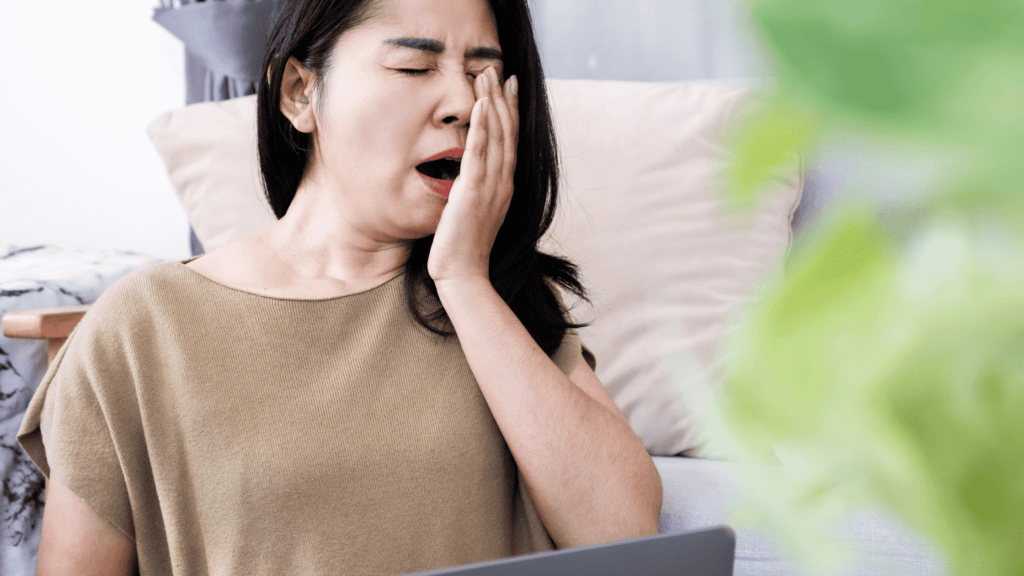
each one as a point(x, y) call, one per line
point(567, 355)
point(68, 428)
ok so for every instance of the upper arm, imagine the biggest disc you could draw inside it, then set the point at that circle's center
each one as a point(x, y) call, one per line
point(76, 540)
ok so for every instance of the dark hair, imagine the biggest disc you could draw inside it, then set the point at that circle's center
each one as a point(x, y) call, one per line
point(307, 30)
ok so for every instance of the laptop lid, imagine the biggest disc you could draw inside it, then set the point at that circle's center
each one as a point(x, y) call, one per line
point(700, 553)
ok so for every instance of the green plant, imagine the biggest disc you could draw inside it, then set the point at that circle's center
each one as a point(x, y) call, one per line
point(887, 366)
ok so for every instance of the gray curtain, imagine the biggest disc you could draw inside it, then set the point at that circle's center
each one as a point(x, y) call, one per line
point(225, 42)
point(648, 40)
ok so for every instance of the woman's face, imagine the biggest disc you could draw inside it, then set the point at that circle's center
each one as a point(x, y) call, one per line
point(380, 120)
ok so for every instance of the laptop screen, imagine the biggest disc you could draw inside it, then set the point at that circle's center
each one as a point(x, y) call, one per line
point(701, 553)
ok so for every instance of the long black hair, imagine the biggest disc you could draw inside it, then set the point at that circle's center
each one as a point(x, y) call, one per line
point(520, 273)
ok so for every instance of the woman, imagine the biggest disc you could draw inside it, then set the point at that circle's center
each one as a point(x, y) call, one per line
point(384, 380)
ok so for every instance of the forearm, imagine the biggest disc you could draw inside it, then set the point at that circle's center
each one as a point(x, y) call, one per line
point(588, 474)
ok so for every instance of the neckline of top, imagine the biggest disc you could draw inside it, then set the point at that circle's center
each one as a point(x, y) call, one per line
point(181, 265)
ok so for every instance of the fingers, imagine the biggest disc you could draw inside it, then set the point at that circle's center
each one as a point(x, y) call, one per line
point(501, 126)
point(507, 111)
point(513, 110)
point(476, 145)
point(495, 128)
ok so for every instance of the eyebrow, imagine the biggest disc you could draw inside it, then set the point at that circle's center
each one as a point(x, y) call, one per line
point(437, 47)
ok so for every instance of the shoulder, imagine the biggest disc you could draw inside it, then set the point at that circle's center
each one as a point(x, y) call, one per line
point(252, 265)
point(144, 284)
point(130, 304)
point(231, 264)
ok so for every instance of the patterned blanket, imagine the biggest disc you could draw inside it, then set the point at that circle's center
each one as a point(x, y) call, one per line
point(38, 277)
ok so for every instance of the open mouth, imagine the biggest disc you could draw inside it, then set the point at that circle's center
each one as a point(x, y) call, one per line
point(443, 169)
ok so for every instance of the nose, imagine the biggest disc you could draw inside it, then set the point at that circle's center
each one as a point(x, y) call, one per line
point(458, 100)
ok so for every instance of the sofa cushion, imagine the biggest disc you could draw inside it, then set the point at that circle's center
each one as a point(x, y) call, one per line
point(702, 493)
point(640, 210)
point(209, 150)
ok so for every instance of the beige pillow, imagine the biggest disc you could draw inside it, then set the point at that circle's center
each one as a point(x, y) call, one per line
point(209, 150)
point(640, 211)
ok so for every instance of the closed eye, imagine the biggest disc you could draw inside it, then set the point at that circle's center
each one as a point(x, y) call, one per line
point(416, 72)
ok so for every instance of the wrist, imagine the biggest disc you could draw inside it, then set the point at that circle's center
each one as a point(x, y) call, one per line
point(462, 280)
point(458, 288)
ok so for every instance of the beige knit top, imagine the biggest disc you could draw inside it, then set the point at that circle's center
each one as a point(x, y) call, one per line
point(231, 433)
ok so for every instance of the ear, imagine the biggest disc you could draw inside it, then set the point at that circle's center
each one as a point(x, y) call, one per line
point(297, 83)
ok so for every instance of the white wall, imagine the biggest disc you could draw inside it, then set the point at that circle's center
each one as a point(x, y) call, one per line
point(80, 82)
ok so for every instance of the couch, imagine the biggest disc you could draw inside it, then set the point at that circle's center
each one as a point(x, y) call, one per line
point(668, 262)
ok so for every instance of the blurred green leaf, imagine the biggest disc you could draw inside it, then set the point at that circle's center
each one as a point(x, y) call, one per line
point(942, 71)
point(776, 133)
point(887, 368)
point(838, 289)
point(897, 378)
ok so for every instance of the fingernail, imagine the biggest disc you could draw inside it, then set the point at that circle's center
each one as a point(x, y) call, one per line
point(494, 76)
point(515, 85)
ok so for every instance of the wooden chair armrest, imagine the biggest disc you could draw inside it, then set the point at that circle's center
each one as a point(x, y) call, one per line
point(57, 322)
point(51, 324)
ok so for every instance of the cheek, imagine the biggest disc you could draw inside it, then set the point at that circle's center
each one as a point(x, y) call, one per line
point(355, 130)
point(374, 134)
point(386, 128)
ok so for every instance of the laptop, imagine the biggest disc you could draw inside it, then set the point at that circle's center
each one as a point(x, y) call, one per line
point(701, 553)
